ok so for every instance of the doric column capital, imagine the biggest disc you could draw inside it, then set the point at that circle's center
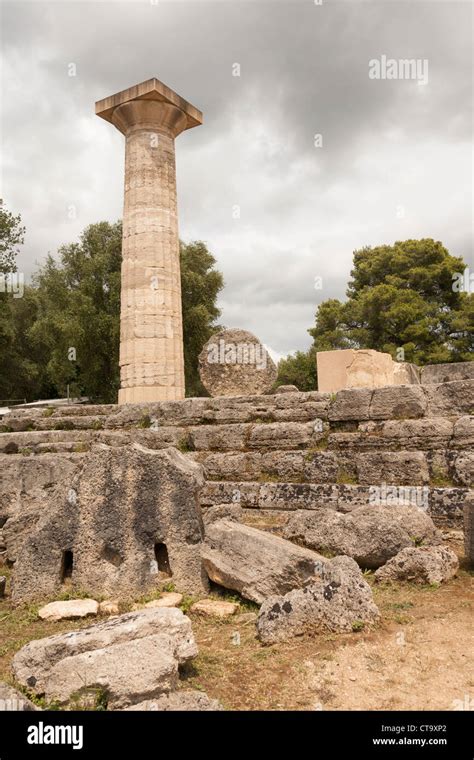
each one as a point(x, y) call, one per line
point(152, 115)
point(149, 105)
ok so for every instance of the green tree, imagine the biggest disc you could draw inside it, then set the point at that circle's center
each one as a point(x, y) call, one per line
point(78, 320)
point(200, 286)
point(23, 372)
point(13, 372)
point(79, 315)
point(401, 297)
point(298, 369)
point(12, 235)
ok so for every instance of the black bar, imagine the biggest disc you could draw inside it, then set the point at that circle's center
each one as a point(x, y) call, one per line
point(368, 734)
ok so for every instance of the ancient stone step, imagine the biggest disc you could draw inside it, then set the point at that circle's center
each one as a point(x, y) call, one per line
point(443, 467)
point(401, 403)
point(444, 504)
point(429, 434)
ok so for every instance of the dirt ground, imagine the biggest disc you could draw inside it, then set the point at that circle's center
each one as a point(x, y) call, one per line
point(420, 657)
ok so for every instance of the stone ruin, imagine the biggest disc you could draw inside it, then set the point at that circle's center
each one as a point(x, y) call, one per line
point(235, 363)
point(114, 499)
point(117, 523)
point(366, 368)
point(246, 489)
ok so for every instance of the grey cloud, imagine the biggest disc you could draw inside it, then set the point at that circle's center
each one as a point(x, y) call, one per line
point(303, 70)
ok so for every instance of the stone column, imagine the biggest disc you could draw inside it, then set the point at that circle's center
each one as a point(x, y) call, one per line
point(150, 115)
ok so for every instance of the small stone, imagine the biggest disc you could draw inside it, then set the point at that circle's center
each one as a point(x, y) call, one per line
point(167, 599)
point(215, 608)
point(339, 600)
point(3, 585)
point(109, 607)
point(420, 564)
point(70, 610)
point(287, 389)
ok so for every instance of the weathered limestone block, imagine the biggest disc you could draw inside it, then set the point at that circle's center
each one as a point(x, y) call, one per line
point(324, 466)
point(182, 701)
point(223, 466)
point(129, 517)
point(424, 433)
point(463, 433)
point(128, 673)
point(351, 404)
point(464, 468)
point(424, 564)
point(446, 505)
point(69, 610)
point(48, 440)
point(219, 437)
point(395, 467)
point(33, 664)
point(281, 435)
point(235, 363)
point(254, 563)
point(284, 465)
point(353, 368)
point(370, 534)
point(398, 402)
point(447, 373)
point(405, 373)
point(450, 399)
point(338, 600)
point(23, 474)
point(223, 511)
point(468, 516)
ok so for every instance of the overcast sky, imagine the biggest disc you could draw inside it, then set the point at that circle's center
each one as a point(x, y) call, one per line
point(395, 161)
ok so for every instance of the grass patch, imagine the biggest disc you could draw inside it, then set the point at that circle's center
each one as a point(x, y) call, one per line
point(320, 445)
point(81, 447)
point(345, 478)
point(185, 445)
point(63, 425)
point(440, 479)
point(266, 477)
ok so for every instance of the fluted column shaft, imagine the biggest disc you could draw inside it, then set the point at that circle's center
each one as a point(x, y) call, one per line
point(151, 331)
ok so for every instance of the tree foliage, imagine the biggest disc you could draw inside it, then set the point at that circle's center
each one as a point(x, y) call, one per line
point(11, 237)
point(298, 369)
point(401, 299)
point(66, 329)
